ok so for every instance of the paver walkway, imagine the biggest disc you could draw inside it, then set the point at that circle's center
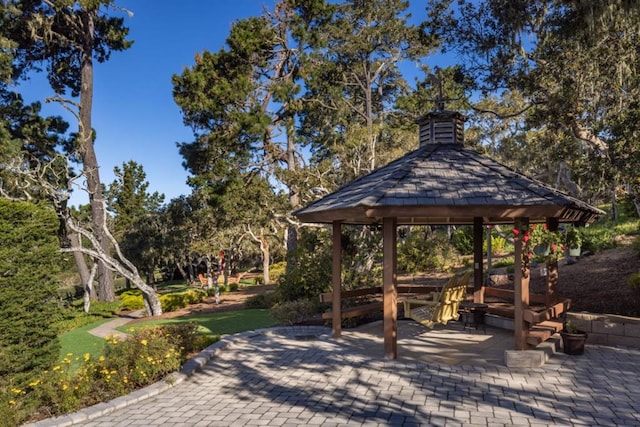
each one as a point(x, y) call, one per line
point(294, 377)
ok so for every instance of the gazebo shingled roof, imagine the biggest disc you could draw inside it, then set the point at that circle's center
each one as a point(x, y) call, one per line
point(446, 184)
point(443, 182)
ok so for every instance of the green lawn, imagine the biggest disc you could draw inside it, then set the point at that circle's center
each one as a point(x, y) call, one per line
point(219, 323)
point(79, 341)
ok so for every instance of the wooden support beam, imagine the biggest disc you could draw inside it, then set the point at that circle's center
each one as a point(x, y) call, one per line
point(478, 261)
point(336, 279)
point(521, 287)
point(551, 288)
point(389, 288)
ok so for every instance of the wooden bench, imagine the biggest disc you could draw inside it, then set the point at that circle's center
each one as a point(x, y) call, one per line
point(359, 310)
point(372, 307)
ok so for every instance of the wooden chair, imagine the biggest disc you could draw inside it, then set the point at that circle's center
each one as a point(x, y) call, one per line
point(204, 282)
point(443, 307)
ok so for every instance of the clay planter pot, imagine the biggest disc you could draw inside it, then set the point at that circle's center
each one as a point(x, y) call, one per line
point(573, 343)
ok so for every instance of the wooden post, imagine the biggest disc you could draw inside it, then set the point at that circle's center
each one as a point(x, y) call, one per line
point(389, 288)
point(478, 261)
point(336, 280)
point(521, 287)
point(551, 288)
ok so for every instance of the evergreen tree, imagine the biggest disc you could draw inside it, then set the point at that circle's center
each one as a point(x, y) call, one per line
point(29, 259)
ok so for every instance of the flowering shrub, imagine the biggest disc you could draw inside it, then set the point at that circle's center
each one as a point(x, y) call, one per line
point(125, 365)
point(534, 237)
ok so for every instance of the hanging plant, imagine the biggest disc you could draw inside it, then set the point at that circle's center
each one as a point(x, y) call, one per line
point(538, 239)
point(573, 238)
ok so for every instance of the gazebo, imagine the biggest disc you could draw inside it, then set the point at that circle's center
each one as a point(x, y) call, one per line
point(445, 183)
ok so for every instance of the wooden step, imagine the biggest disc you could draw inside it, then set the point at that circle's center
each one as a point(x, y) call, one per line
point(555, 325)
point(543, 331)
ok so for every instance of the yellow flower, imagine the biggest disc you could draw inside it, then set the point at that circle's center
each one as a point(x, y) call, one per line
point(35, 383)
point(101, 358)
point(64, 387)
point(86, 357)
point(125, 380)
point(12, 402)
point(144, 342)
point(56, 368)
point(69, 354)
point(16, 390)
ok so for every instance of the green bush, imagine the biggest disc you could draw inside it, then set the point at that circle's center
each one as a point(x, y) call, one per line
point(130, 301)
point(423, 251)
point(309, 272)
point(29, 304)
point(597, 238)
point(176, 301)
point(172, 302)
point(462, 240)
point(499, 245)
point(277, 270)
point(142, 359)
point(293, 312)
point(265, 300)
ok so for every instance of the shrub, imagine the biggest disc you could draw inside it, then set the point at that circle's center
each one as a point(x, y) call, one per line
point(293, 312)
point(147, 356)
point(172, 302)
point(142, 359)
point(176, 301)
point(183, 336)
point(309, 268)
point(596, 239)
point(462, 240)
point(233, 287)
point(130, 301)
point(423, 251)
point(277, 270)
point(498, 245)
point(29, 259)
point(265, 300)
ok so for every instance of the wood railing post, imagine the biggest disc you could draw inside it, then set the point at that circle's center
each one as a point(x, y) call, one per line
point(389, 288)
point(336, 279)
point(521, 287)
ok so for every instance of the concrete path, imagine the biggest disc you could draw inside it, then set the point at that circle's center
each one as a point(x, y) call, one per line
point(302, 376)
point(109, 328)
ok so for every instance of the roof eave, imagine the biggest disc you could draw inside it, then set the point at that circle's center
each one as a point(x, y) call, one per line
point(448, 214)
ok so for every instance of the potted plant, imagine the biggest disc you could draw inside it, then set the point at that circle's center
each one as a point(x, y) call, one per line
point(573, 339)
point(573, 241)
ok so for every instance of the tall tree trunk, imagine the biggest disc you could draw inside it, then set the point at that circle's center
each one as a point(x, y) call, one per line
point(266, 259)
point(614, 203)
point(291, 238)
point(81, 262)
point(105, 290)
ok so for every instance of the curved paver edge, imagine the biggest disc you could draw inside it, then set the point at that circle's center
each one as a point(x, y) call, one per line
point(187, 370)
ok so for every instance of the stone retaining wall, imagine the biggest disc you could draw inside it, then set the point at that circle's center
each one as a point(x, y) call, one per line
point(608, 329)
point(603, 329)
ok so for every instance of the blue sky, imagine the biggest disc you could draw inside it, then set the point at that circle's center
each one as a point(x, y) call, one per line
point(134, 114)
